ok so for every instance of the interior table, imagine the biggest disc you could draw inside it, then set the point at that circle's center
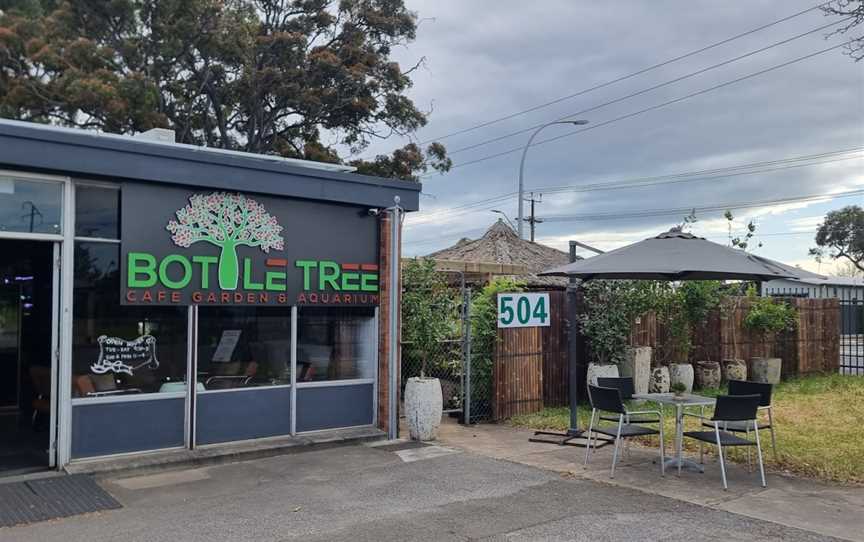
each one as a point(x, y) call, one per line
point(686, 400)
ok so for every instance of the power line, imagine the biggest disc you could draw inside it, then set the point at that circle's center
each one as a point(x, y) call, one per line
point(630, 214)
point(626, 214)
point(628, 76)
point(706, 174)
point(649, 89)
point(654, 107)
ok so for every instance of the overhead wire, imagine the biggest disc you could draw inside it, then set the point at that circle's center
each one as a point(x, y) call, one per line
point(629, 75)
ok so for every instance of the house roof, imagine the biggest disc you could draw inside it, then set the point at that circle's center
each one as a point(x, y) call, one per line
point(501, 245)
point(79, 153)
point(832, 281)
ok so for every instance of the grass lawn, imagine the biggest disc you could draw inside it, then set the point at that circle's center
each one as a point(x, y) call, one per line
point(819, 422)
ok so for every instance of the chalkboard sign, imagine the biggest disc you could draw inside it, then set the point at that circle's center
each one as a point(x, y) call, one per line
point(118, 355)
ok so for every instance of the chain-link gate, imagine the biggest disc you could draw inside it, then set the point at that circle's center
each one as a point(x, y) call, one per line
point(466, 382)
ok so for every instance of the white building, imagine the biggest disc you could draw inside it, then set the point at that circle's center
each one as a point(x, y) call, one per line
point(817, 288)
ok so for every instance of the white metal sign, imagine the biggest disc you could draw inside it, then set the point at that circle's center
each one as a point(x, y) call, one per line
point(523, 310)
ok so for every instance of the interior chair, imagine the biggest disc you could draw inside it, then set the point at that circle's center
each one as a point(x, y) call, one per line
point(244, 373)
point(41, 378)
point(609, 400)
point(730, 409)
point(742, 387)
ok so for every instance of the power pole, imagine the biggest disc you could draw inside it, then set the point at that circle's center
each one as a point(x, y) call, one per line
point(532, 219)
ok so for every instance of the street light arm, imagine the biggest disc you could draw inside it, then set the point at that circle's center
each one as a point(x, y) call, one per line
point(521, 219)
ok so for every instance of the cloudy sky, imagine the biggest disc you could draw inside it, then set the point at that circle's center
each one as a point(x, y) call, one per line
point(489, 59)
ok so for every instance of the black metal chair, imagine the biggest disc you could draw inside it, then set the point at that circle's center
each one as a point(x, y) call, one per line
point(742, 387)
point(624, 384)
point(609, 400)
point(730, 409)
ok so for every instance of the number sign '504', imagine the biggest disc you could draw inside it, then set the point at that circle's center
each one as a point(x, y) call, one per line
point(523, 310)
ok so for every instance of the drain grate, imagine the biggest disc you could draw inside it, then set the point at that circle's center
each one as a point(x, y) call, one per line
point(399, 446)
point(52, 498)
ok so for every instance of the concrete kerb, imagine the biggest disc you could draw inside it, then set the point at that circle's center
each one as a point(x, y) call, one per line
point(217, 454)
point(788, 500)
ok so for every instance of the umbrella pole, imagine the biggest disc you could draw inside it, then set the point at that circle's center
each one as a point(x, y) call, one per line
point(573, 436)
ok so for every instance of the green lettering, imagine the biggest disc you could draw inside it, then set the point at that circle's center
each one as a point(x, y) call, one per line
point(350, 286)
point(369, 282)
point(247, 277)
point(328, 273)
point(140, 263)
point(205, 262)
point(270, 279)
point(184, 279)
point(307, 266)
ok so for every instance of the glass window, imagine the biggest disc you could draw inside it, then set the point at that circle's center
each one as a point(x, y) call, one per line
point(241, 347)
point(120, 350)
point(30, 206)
point(97, 212)
point(335, 343)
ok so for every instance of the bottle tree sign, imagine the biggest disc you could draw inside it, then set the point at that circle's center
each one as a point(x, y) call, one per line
point(523, 310)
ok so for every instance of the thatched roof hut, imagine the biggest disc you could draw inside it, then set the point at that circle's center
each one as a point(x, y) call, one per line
point(501, 245)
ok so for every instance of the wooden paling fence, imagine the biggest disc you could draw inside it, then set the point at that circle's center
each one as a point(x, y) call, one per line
point(813, 347)
point(530, 366)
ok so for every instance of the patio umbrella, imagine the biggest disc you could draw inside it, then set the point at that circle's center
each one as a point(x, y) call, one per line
point(677, 255)
point(673, 255)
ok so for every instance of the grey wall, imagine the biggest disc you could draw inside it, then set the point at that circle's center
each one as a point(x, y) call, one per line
point(332, 407)
point(113, 428)
point(242, 414)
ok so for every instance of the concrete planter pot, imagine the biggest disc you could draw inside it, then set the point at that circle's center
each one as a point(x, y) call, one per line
point(605, 371)
point(659, 382)
point(637, 365)
point(683, 373)
point(734, 369)
point(423, 407)
point(708, 374)
point(766, 370)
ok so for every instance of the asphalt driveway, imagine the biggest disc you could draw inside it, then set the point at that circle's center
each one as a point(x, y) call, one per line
point(364, 493)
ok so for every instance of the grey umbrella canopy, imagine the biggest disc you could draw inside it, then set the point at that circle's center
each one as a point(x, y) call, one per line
point(677, 255)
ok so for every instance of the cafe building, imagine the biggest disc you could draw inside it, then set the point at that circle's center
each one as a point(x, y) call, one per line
point(156, 296)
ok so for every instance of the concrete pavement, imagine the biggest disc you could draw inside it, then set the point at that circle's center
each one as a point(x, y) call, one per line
point(371, 493)
point(795, 502)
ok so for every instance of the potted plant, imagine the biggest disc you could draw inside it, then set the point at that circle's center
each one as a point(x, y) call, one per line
point(428, 317)
point(767, 317)
point(678, 389)
point(606, 324)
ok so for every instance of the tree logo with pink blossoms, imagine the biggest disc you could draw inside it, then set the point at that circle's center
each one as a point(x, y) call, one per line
point(226, 221)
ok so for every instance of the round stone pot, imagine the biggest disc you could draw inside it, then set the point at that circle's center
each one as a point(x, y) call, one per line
point(659, 382)
point(766, 370)
point(707, 374)
point(683, 373)
point(423, 407)
point(604, 371)
point(734, 369)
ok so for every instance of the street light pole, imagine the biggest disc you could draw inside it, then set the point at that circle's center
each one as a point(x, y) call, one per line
point(521, 218)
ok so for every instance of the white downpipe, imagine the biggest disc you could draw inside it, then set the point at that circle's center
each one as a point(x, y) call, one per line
point(395, 303)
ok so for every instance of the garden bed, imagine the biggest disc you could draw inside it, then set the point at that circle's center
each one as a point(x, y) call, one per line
point(818, 421)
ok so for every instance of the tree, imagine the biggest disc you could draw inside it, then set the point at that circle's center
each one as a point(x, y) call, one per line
point(429, 309)
point(737, 241)
point(853, 13)
point(226, 221)
point(841, 235)
point(296, 78)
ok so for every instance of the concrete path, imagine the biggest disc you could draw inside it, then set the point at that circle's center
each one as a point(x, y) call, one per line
point(365, 493)
point(794, 502)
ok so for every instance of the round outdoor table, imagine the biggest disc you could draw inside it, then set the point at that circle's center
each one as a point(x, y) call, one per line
point(687, 400)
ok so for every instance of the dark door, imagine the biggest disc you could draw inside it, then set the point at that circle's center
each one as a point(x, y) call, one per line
point(25, 354)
